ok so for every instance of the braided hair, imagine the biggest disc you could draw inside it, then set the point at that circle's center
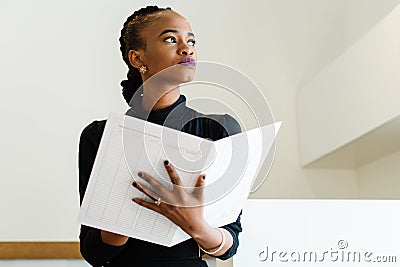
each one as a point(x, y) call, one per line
point(131, 38)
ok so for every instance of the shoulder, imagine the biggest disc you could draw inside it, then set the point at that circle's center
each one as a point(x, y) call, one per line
point(92, 132)
point(229, 124)
point(219, 125)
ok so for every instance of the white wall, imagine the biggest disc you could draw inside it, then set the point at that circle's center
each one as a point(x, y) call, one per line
point(281, 37)
point(60, 71)
point(353, 95)
point(380, 179)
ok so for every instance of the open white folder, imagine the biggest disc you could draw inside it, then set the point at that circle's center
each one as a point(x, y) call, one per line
point(130, 145)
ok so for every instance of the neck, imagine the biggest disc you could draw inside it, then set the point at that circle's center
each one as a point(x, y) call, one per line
point(159, 97)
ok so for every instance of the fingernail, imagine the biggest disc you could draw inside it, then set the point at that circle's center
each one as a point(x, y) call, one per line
point(140, 174)
point(134, 183)
point(204, 177)
point(134, 200)
point(166, 162)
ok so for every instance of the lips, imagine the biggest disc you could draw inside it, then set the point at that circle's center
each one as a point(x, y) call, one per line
point(188, 61)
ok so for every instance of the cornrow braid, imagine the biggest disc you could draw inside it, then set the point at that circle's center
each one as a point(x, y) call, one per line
point(131, 38)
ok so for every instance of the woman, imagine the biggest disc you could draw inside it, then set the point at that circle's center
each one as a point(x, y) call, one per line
point(155, 39)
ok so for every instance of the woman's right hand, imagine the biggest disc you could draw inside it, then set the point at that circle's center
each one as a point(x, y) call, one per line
point(184, 209)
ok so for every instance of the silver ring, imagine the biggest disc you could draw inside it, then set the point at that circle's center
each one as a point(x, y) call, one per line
point(158, 201)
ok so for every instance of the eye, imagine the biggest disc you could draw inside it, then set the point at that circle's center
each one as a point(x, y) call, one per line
point(170, 39)
point(192, 42)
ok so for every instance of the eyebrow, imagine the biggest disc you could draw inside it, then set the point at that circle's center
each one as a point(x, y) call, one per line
point(175, 31)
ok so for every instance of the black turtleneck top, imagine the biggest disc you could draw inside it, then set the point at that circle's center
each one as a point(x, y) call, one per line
point(137, 252)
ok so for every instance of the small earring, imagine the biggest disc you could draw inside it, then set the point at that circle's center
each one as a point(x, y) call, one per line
point(143, 69)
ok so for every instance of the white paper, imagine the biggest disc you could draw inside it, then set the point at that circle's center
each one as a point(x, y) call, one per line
point(230, 164)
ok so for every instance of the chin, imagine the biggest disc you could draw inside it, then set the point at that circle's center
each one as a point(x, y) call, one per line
point(185, 74)
point(188, 76)
point(177, 75)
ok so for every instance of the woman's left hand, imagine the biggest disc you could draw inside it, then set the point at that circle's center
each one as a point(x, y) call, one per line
point(183, 208)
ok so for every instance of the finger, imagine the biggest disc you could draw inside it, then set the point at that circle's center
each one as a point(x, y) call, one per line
point(173, 175)
point(147, 191)
point(156, 185)
point(198, 190)
point(147, 204)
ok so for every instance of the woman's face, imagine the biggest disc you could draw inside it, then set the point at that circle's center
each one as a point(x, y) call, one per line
point(169, 41)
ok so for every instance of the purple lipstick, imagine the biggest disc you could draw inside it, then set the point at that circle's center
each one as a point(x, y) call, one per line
point(188, 61)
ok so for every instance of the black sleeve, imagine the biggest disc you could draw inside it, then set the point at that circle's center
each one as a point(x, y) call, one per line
point(234, 229)
point(92, 248)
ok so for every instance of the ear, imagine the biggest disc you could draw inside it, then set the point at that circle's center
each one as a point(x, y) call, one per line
point(135, 58)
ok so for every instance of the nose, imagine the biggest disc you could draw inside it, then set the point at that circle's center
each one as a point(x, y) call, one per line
point(186, 50)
